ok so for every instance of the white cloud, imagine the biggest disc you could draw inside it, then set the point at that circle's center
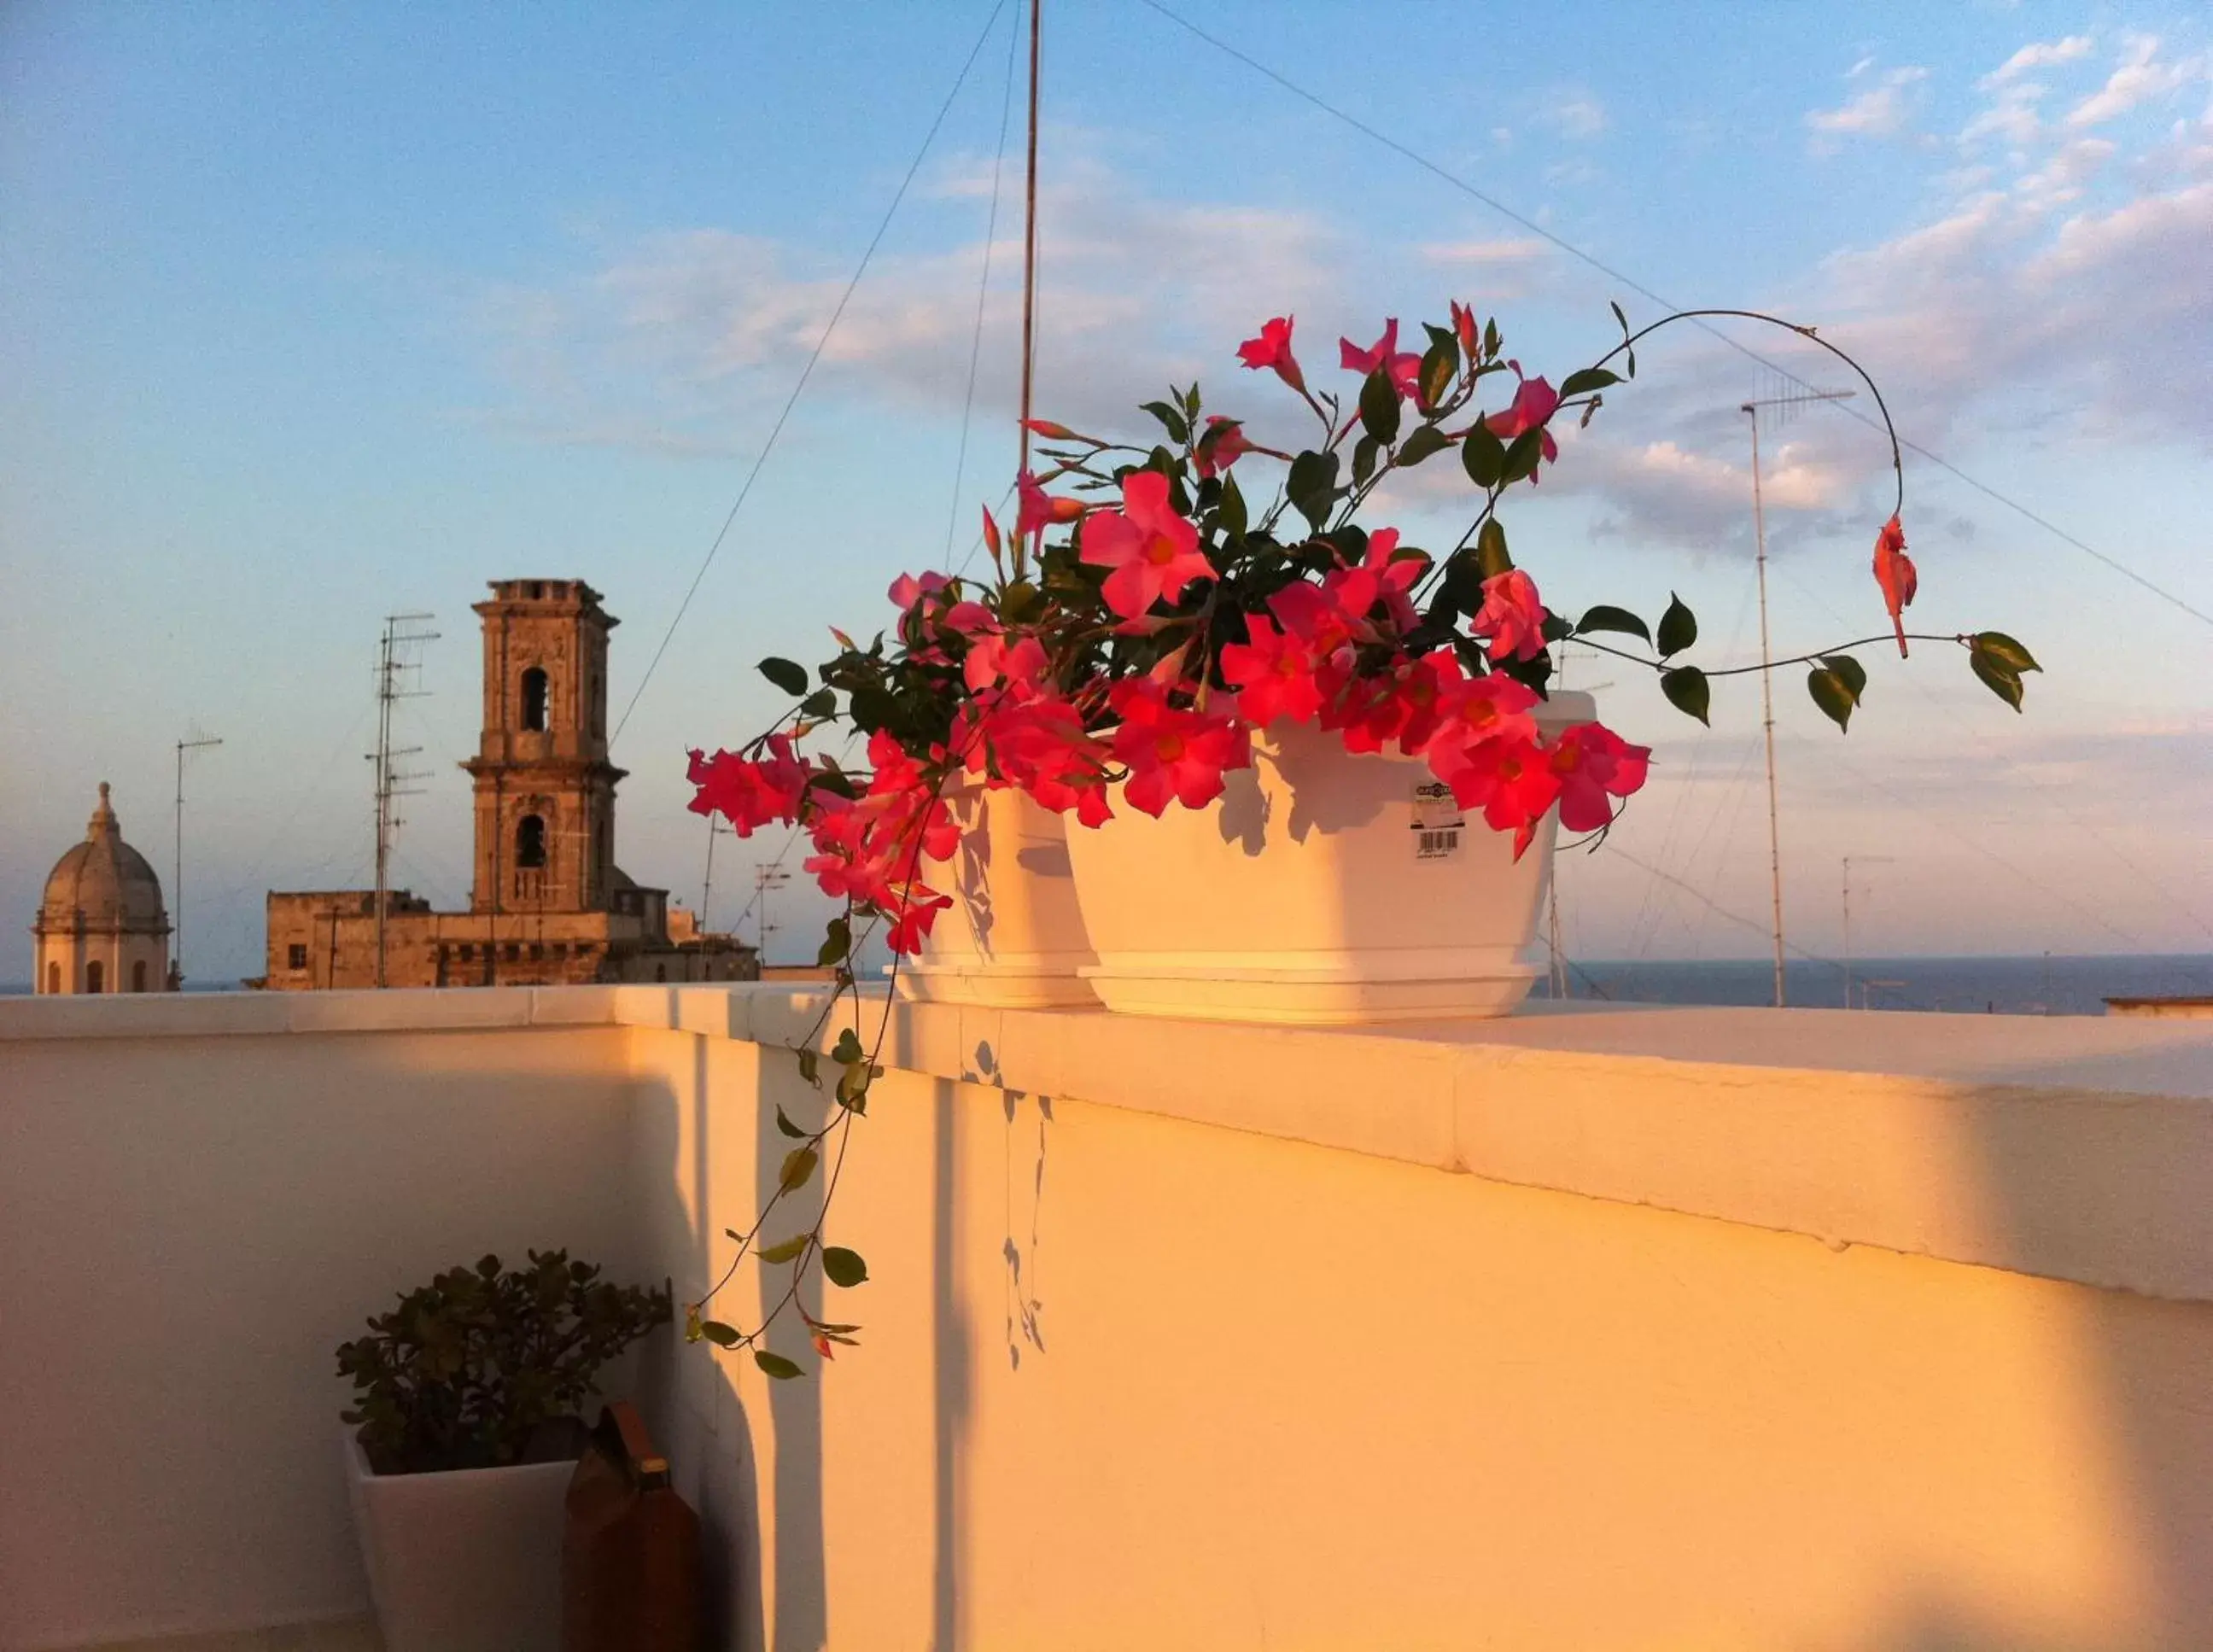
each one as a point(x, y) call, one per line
point(2141, 77)
point(2037, 54)
point(1882, 111)
point(1578, 116)
point(2012, 117)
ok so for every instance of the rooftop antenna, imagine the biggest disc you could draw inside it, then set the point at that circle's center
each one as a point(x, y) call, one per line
point(195, 739)
point(714, 829)
point(1029, 245)
point(1863, 860)
point(1783, 408)
point(1558, 984)
point(766, 878)
point(393, 686)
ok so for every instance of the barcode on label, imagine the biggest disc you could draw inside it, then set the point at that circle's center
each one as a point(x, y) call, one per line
point(1436, 845)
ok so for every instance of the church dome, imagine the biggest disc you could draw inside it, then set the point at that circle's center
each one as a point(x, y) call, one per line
point(103, 884)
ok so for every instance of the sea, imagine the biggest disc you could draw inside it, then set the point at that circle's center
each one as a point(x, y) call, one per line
point(2044, 985)
point(2047, 985)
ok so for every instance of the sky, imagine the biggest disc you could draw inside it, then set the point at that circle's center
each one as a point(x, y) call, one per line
point(309, 315)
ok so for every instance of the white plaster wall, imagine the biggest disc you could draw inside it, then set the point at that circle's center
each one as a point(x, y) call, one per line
point(188, 1228)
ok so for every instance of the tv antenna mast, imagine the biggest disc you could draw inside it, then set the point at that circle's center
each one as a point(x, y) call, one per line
point(195, 739)
point(766, 878)
point(1864, 860)
point(393, 684)
point(714, 829)
point(1782, 408)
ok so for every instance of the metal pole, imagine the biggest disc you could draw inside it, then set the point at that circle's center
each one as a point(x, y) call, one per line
point(177, 960)
point(383, 784)
point(1029, 251)
point(1848, 931)
point(1767, 701)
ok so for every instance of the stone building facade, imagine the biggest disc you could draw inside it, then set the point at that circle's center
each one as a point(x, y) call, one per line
point(102, 926)
point(548, 905)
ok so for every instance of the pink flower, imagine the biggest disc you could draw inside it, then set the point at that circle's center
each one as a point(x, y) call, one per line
point(1533, 404)
point(1590, 761)
point(910, 588)
point(1893, 571)
point(1273, 349)
point(1153, 552)
point(1407, 705)
point(748, 793)
point(1511, 781)
point(1471, 713)
point(1039, 509)
point(1171, 754)
point(1405, 367)
point(1274, 673)
point(1222, 445)
point(1511, 618)
point(1396, 576)
point(990, 662)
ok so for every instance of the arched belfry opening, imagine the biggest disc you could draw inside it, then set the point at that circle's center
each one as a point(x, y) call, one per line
point(530, 841)
point(534, 696)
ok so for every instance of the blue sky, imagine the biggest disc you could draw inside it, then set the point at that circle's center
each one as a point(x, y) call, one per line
point(308, 314)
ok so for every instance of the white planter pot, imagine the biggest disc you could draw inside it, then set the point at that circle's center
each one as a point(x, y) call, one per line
point(1323, 889)
point(465, 1561)
point(1014, 936)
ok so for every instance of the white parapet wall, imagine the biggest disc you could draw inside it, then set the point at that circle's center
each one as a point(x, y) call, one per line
point(1597, 1328)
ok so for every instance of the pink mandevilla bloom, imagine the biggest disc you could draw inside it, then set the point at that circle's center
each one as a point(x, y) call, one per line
point(1039, 509)
point(749, 792)
point(1273, 672)
point(1470, 713)
point(1893, 571)
point(1511, 619)
point(1173, 755)
point(1512, 781)
point(1591, 761)
point(910, 588)
point(1153, 552)
point(1533, 404)
point(1273, 349)
point(1222, 445)
point(1404, 366)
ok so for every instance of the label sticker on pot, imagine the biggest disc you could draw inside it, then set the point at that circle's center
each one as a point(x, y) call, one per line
point(1438, 821)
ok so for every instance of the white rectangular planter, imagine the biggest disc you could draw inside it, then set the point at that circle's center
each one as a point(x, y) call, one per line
point(465, 1561)
point(1322, 889)
point(1013, 938)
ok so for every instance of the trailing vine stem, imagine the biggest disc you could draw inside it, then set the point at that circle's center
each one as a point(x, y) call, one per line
point(1897, 456)
point(1960, 637)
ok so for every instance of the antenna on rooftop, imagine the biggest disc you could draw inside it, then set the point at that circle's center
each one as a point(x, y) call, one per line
point(195, 739)
point(395, 683)
point(1781, 409)
point(766, 878)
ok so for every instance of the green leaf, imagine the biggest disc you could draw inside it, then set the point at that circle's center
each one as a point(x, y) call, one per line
point(1230, 513)
point(1853, 673)
point(1023, 600)
point(798, 1165)
point(2001, 680)
point(1605, 617)
point(1379, 407)
point(853, 1087)
point(1679, 627)
point(820, 703)
point(1619, 317)
point(1589, 378)
point(785, 674)
point(1365, 452)
point(1833, 694)
point(784, 1123)
point(1687, 691)
point(1490, 337)
point(775, 1364)
point(842, 1267)
point(1483, 455)
point(810, 1068)
point(1312, 486)
point(790, 1248)
point(1178, 427)
point(722, 1335)
point(837, 941)
point(1524, 455)
point(848, 1048)
point(2004, 651)
point(1426, 440)
point(1490, 558)
point(1438, 362)
point(1557, 628)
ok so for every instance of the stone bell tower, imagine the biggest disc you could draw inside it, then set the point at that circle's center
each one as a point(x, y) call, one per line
point(544, 790)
